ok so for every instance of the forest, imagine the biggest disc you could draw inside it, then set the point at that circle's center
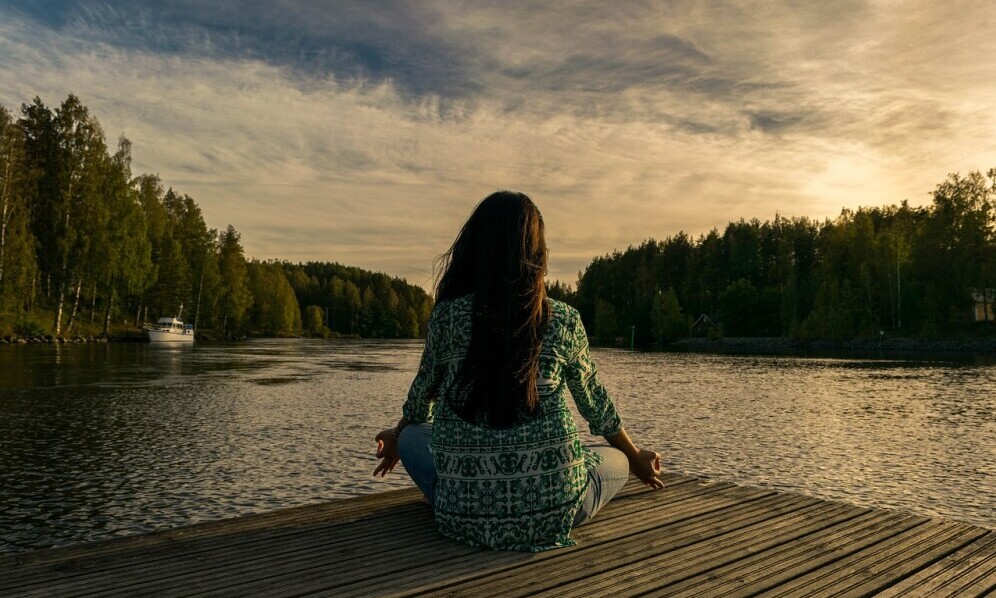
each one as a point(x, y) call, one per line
point(898, 270)
point(87, 248)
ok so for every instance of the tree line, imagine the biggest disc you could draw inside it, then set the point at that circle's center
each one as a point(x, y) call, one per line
point(86, 248)
point(898, 270)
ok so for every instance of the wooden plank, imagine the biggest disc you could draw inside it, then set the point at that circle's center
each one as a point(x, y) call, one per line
point(617, 551)
point(881, 565)
point(699, 538)
point(769, 568)
point(312, 575)
point(203, 565)
point(658, 566)
point(980, 587)
point(48, 571)
point(472, 568)
point(360, 545)
point(970, 571)
point(881, 575)
point(342, 510)
point(135, 560)
point(441, 558)
point(382, 534)
point(270, 527)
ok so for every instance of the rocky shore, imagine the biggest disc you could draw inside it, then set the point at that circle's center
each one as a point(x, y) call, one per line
point(134, 336)
point(780, 343)
point(49, 339)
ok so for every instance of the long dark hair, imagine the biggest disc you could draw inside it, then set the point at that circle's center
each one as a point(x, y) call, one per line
point(500, 257)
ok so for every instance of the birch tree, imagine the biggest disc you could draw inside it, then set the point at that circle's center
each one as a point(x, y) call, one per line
point(11, 147)
point(80, 150)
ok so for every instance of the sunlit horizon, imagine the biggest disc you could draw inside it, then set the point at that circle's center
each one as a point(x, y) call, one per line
point(365, 135)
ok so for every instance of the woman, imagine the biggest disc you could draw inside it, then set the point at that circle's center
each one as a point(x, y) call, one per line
point(486, 432)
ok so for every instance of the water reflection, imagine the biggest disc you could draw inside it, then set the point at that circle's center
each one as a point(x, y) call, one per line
point(105, 440)
point(894, 433)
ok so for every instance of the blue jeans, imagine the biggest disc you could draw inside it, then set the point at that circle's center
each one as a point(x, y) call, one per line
point(604, 481)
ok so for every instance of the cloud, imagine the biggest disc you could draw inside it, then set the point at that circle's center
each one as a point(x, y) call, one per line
point(364, 135)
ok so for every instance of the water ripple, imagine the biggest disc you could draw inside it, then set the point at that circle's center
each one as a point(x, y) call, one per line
point(112, 440)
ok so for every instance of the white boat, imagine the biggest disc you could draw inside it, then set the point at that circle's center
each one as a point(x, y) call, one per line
point(170, 330)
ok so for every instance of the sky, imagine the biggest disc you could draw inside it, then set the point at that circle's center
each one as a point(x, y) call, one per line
point(365, 132)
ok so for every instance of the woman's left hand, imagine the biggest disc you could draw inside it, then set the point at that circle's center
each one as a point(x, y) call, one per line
point(387, 450)
point(646, 465)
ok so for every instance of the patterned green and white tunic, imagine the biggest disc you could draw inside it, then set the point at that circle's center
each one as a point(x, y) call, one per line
point(517, 488)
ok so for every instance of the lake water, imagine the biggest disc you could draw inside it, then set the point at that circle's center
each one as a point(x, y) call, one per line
point(99, 441)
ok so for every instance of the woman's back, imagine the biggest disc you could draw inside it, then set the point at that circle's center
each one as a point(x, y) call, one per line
point(517, 487)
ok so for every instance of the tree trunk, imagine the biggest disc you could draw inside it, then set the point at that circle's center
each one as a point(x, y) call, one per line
point(93, 302)
point(76, 306)
point(197, 306)
point(31, 297)
point(5, 212)
point(58, 310)
point(107, 316)
point(985, 304)
point(224, 328)
point(65, 264)
point(3, 239)
point(899, 296)
point(138, 314)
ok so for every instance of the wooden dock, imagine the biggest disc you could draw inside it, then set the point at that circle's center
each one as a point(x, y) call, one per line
point(695, 538)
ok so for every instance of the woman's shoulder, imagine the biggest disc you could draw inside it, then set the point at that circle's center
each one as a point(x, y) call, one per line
point(559, 309)
point(457, 304)
point(451, 312)
point(562, 315)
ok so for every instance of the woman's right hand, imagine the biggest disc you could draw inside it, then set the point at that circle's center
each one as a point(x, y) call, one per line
point(387, 450)
point(646, 465)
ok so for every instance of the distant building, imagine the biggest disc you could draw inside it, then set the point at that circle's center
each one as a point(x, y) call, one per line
point(983, 309)
point(703, 325)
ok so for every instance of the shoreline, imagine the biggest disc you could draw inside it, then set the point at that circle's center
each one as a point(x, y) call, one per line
point(139, 337)
point(783, 344)
point(774, 344)
point(48, 339)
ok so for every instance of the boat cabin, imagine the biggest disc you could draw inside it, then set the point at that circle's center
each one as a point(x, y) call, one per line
point(171, 324)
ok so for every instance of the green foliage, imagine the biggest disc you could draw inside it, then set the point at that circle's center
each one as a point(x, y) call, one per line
point(29, 328)
point(17, 245)
point(234, 297)
point(81, 239)
point(360, 302)
point(909, 271)
point(738, 307)
point(606, 325)
point(560, 291)
point(666, 319)
point(275, 311)
point(314, 322)
point(87, 246)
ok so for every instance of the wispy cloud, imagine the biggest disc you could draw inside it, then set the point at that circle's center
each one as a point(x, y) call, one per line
point(365, 133)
